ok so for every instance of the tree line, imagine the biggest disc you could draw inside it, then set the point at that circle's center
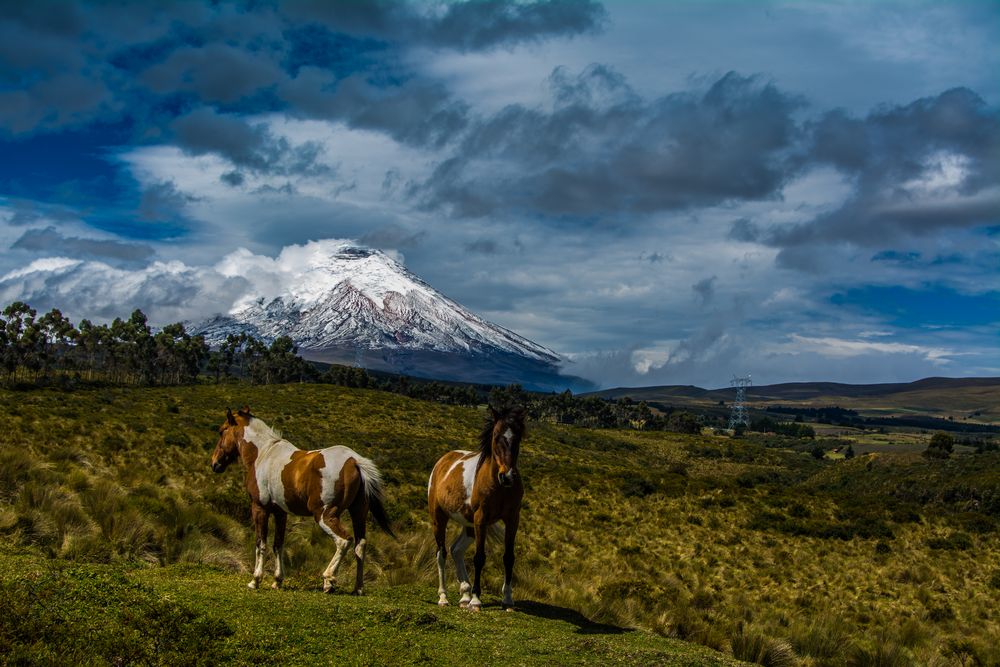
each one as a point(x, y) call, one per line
point(50, 350)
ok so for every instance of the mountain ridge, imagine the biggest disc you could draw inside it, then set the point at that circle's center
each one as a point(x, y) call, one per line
point(348, 304)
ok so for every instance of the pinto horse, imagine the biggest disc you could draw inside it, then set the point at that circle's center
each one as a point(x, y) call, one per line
point(283, 479)
point(477, 489)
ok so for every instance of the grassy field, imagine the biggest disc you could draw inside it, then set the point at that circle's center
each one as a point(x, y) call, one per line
point(757, 552)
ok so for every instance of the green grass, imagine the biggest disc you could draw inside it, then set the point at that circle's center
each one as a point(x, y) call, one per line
point(733, 544)
point(60, 613)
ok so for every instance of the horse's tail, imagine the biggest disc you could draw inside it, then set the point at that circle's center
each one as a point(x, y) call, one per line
point(371, 485)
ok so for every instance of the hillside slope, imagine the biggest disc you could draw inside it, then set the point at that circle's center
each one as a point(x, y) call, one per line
point(740, 545)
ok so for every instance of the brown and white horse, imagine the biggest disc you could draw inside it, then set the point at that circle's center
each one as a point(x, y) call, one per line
point(477, 489)
point(283, 479)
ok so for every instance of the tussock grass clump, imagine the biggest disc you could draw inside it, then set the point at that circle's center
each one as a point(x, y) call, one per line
point(753, 645)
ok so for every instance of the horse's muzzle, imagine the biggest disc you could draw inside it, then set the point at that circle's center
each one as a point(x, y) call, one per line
point(218, 466)
point(506, 479)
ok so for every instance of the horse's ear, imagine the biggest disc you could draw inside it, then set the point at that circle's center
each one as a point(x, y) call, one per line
point(245, 411)
point(229, 417)
point(518, 412)
point(493, 413)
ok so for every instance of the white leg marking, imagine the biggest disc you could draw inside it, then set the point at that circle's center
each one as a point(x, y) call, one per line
point(279, 567)
point(458, 548)
point(475, 604)
point(330, 574)
point(258, 569)
point(442, 593)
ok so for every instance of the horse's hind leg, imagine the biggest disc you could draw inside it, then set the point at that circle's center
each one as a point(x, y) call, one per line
point(359, 518)
point(458, 548)
point(280, 522)
point(440, 521)
point(259, 515)
point(329, 521)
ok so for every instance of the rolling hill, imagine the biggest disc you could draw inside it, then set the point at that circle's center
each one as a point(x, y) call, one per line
point(976, 399)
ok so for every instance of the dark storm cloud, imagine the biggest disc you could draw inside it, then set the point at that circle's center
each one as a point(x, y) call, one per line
point(603, 149)
point(919, 169)
point(417, 112)
point(66, 64)
point(217, 73)
point(464, 26)
point(162, 202)
point(743, 230)
point(49, 240)
point(705, 289)
point(247, 146)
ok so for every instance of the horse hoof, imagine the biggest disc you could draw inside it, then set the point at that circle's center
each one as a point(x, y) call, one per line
point(359, 591)
point(475, 607)
point(252, 585)
point(276, 585)
point(442, 603)
point(510, 608)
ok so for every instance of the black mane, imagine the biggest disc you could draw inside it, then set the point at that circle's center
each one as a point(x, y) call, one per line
point(514, 417)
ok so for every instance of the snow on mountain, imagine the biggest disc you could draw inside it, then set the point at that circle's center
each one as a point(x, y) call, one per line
point(335, 295)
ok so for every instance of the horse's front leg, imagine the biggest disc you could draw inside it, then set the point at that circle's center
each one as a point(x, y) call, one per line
point(280, 522)
point(510, 532)
point(259, 516)
point(478, 561)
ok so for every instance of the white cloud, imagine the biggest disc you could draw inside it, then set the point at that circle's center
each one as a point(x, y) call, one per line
point(838, 348)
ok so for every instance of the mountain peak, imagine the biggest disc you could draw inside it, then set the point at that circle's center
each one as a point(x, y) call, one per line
point(334, 295)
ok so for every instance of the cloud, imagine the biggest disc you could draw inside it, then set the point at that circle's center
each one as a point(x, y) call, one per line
point(705, 289)
point(919, 169)
point(246, 145)
point(217, 73)
point(165, 291)
point(464, 26)
point(602, 150)
point(102, 62)
point(839, 348)
point(50, 240)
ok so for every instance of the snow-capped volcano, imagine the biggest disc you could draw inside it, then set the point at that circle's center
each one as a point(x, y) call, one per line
point(341, 302)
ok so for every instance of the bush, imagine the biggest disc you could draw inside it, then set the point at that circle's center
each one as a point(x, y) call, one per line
point(940, 447)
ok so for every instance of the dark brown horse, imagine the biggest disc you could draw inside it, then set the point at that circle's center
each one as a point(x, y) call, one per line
point(283, 479)
point(477, 489)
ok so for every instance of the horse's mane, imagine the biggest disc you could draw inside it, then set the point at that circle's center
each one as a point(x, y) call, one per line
point(486, 435)
point(261, 430)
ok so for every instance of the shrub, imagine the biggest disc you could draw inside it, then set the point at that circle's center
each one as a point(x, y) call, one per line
point(940, 447)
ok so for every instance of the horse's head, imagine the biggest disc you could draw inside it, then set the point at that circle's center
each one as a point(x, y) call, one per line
point(227, 449)
point(505, 434)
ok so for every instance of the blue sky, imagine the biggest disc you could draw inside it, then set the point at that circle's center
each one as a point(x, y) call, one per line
point(664, 193)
